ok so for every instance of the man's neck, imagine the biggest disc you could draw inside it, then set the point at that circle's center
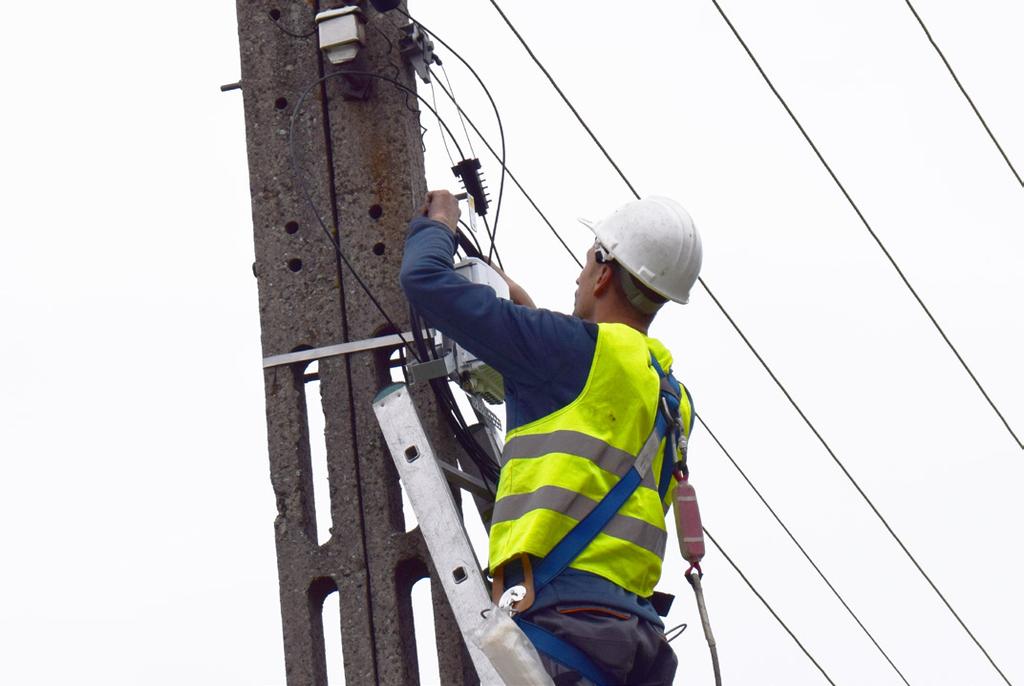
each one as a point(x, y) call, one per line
point(618, 315)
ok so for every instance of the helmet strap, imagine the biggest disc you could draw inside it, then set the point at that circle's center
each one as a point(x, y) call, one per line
point(637, 298)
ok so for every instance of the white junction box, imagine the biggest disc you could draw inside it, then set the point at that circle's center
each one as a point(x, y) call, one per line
point(342, 33)
point(476, 270)
point(472, 374)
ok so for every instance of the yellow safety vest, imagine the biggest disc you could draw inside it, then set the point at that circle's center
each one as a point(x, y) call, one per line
point(556, 469)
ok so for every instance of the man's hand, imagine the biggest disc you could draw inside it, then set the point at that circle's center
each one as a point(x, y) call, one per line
point(442, 206)
point(516, 293)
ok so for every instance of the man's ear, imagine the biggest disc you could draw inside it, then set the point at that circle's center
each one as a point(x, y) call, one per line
point(604, 280)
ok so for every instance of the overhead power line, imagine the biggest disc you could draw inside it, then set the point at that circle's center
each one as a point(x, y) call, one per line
point(733, 564)
point(964, 91)
point(568, 104)
point(494, 106)
point(765, 602)
point(512, 176)
point(821, 439)
point(763, 500)
point(801, 549)
point(920, 302)
point(867, 225)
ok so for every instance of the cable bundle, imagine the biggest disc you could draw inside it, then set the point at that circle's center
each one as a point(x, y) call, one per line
point(487, 466)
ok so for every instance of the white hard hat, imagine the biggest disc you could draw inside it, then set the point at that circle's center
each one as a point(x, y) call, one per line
point(655, 240)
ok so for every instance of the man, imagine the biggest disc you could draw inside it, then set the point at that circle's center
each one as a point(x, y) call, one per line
point(583, 394)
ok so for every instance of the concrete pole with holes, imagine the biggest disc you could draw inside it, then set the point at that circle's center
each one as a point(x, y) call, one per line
point(358, 148)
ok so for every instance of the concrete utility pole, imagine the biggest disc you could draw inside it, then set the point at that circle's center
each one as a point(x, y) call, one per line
point(363, 164)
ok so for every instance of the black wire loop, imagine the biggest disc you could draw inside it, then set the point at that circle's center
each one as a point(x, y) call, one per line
point(679, 629)
point(300, 180)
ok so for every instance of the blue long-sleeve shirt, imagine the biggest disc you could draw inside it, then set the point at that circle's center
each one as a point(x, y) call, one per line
point(545, 360)
point(543, 356)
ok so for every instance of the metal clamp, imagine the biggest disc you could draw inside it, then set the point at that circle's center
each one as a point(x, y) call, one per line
point(418, 372)
point(417, 49)
point(341, 349)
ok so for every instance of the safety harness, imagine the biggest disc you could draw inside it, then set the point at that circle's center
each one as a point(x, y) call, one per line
point(667, 423)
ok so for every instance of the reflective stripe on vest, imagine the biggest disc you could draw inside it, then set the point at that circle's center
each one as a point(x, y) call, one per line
point(557, 468)
point(577, 506)
point(607, 457)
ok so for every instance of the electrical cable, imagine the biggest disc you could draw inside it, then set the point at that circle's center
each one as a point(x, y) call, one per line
point(276, 21)
point(450, 91)
point(867, 226)
point(462, 119)
point(433, 99)
point(746, 340)
point(551, 80)
point(493, 249)
point(518, 185)
point(486, 466)
point(765, 603)
point(490, 234)
point(493, 252)
point(865, 497)
point(309, 198)
point(920, 302)
point(801, 549)
point(504, 167)
point(398, 72)
point(792, 537)
point(494, 106)
point(856, 209)
point(785, 528)
point(964, 91)
point(471, 235)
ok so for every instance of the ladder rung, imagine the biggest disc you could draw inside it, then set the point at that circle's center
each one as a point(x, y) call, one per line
point(466, 482)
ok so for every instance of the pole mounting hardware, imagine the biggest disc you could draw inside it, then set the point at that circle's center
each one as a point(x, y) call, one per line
point(468, 171)
point(417, 49)
point(394, 340)
point(431, 369)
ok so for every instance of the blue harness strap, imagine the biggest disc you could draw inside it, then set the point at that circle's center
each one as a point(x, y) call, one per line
point(563, 652)
point(671, 392)
point(587, 529)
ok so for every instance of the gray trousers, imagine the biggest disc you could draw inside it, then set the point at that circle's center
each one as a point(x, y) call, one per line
point(628, 649)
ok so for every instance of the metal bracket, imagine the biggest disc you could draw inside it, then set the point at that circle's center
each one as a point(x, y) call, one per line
point(417, 49)
point(419, 372)
point(488, 417)
point(356, 86)
point(341, 349)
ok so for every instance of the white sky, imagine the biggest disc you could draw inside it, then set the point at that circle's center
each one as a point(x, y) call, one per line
point(137, 510)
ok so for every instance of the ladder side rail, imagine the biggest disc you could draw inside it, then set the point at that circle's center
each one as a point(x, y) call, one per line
point(439, 521)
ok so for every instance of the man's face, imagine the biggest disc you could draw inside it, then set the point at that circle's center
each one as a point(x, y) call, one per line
point(583, 306)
